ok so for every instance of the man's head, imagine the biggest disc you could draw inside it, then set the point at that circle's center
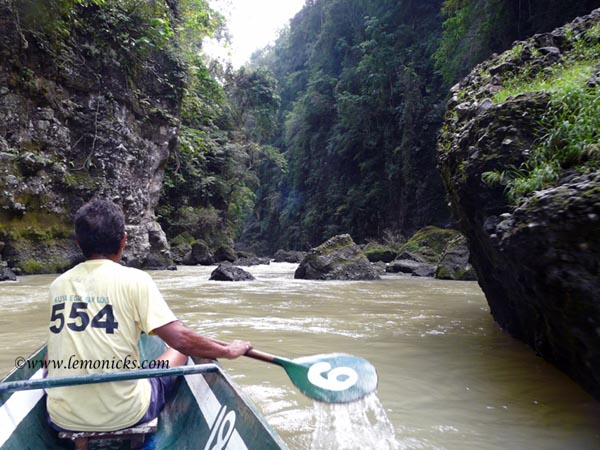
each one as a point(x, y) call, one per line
point(100, 228)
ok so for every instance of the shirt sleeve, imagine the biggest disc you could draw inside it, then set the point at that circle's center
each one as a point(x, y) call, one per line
point(153, 309)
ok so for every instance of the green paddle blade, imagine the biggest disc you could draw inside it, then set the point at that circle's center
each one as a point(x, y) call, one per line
point(331, 378)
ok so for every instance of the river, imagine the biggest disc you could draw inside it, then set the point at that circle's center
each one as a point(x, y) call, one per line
point(449, 378)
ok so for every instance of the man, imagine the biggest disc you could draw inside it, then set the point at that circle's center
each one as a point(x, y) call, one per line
point(98, 310)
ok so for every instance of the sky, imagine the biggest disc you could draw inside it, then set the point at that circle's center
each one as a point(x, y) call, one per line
point(252, 24)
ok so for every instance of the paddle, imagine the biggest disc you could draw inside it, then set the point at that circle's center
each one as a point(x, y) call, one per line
point(329, 378)
point(45, 383)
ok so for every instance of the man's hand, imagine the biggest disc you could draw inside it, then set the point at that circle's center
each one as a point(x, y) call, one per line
point(188, 342)
point(238, 348)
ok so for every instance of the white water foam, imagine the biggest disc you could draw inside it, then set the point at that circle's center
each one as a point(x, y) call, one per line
point(353, 426)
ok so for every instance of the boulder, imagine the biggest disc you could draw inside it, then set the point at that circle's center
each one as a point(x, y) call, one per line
point(289, 256)
point(454, 264)
point(408, 266)
point(378, 252)
point(51, 256)
point(337, 259)
point(225, 253)
point(404, 254)
point(229, 272)
point(425, 270)
point(181, 246)
point(5, 273)
point(432, 251)
point(246, 258)
point(380, 267)
point(428, 244)
point(199, 254)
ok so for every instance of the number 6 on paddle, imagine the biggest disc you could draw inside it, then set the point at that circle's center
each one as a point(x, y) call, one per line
point(331, 378)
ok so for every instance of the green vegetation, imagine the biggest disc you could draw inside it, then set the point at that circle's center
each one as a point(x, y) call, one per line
point(474, 29)
point(34, 225)
point(569, 132)
point(132, 27)
point(80, 181)
point(559, 82)
point(137, 49)
point(210, 180)
point(471, 34)
point(363, 86)
point(183, 239)
point(49, 264)
point(32, 266)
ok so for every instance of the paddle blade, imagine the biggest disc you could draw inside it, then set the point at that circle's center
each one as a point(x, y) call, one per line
point(331, 378)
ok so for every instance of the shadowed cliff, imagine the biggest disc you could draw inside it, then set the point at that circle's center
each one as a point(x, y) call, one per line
point(520, 159)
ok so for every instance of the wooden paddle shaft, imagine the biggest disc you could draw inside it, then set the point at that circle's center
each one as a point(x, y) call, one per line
point(254, 354)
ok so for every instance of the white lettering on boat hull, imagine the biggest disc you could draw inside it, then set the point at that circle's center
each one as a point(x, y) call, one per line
point(211, 408)
point(221, 430)
point(17, 407)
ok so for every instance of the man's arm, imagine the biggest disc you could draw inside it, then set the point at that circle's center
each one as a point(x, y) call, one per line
point(190, 343)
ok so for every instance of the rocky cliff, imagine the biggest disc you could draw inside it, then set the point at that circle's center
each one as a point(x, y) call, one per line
point(527, 201)
point(87, 108)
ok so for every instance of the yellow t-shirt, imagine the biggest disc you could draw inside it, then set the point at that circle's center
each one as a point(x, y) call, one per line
point(98, 310)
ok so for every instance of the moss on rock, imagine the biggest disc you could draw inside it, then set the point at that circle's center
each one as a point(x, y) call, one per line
point(34, 225)
point(429, 243)
point(46, 256)
point(380, 252)
point(339, 258)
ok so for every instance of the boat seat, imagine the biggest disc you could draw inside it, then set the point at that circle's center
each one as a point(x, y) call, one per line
point(135, 435)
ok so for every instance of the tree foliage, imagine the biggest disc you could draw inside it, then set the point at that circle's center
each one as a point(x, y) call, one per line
point(210, 180)
point(360, 102)
point(363, 85)
point(474, 29)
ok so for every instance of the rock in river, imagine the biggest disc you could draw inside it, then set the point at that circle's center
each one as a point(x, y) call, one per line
point(337, 259)
point(5, 273)
point(454, 264)
point(228, 272)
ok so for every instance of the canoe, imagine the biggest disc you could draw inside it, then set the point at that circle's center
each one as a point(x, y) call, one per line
point(207, 411)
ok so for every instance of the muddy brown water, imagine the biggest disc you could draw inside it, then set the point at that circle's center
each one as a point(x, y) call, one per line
point(449, 378)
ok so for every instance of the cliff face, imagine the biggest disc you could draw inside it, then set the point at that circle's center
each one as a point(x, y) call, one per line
point(537, 257)
point(83, 113)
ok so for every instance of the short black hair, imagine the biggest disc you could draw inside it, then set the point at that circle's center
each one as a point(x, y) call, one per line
point(99, 227)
